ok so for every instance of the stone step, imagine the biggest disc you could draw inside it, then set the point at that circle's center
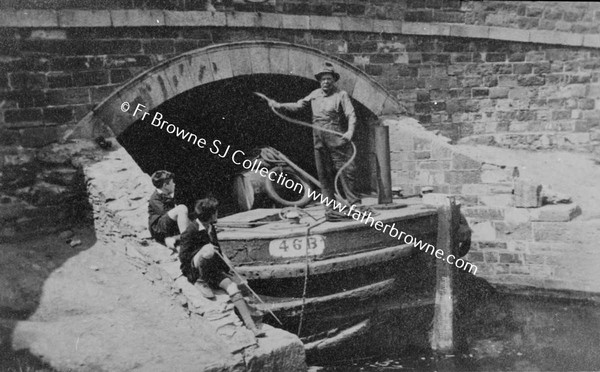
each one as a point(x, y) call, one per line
point(555, 213)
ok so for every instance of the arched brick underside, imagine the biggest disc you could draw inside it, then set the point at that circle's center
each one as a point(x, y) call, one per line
point(225, 61)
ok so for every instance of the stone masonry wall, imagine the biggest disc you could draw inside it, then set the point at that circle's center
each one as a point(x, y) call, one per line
point(536, 87)
point(511, 94)
point(517, 239)
point(495, 92)
point(119, 192)
point(43, 190)
point(577, 17)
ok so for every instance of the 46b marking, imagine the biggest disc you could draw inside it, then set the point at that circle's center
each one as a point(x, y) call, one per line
point(297, 244)
point(296, 247)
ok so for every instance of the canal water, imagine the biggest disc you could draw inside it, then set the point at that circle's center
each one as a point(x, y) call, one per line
point(498, 332)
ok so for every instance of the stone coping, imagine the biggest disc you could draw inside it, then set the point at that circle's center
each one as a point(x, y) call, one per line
point(66, 18)
point(119, 191)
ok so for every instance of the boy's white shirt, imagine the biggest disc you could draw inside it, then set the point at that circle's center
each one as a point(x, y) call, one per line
point(162, 192)
point(200, 225)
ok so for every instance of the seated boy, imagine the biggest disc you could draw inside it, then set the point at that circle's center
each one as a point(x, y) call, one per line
point(203, 263)
point(166, 220)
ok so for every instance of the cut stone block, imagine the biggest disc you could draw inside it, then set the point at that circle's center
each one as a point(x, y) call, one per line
point(516, 216)
point(482, 230)
point(507, 232)
point(501, 200)
point(463, 162)
point(487, 189)
point(496, 175)
point(527, 195)
point(484, 213)
point(435, 199)
point(555, 213)
point(572, 233)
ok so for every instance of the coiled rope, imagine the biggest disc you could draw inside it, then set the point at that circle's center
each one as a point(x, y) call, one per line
point(346, 164)
point(337, 194)
point(274, 157)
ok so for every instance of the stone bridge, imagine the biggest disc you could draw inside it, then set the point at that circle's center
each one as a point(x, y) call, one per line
point(518, 75)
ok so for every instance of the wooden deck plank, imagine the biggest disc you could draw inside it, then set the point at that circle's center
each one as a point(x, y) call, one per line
point(284, 229)
point(339, 338)
point(296, 269)
point(375, 289)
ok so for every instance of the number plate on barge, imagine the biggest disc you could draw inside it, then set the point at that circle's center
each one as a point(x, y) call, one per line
point(296, 247)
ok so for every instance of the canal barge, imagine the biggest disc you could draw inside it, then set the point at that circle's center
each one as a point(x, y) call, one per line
point(327, 281)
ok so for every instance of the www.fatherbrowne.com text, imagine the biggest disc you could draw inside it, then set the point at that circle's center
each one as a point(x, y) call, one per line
point(238, 158)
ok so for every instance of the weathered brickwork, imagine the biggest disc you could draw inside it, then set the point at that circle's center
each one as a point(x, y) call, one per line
point(421, 159)
point(504, 80)
point(43, 189)
point(545, 247)
point(509, 94)
point(551, 255)
point(578, 17)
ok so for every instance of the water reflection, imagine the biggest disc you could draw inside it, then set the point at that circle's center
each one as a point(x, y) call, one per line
point(496, 333)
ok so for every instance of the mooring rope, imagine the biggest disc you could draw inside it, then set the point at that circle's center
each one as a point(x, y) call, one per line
point(346, 164)
point(337, 194)
point(272, 156)
point(306, 268)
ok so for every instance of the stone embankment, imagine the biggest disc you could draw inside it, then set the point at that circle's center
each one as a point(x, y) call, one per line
point(533, 215)
point(119, 192)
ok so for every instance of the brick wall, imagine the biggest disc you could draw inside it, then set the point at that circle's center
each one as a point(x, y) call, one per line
point(420, 158)
point(517, 239)
point(43, 190)
point(495, 92)
point(531, 89)
point(460, 67)
point(577, 17)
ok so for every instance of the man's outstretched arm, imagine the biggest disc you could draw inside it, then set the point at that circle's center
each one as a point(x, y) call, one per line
point(290, 106)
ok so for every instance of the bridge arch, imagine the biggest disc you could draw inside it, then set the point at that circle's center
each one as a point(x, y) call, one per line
point(208, 92)
point(225, 61)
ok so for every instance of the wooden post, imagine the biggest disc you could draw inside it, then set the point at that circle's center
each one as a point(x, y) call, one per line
point(384, 173)
point(442, 333)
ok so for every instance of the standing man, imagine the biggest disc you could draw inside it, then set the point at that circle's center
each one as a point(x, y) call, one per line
point(332, 110)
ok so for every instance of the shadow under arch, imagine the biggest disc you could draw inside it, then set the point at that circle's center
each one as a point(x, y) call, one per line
point(208, 92)
point(224, 61)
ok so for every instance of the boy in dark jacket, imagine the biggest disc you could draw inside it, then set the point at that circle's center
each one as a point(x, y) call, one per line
point(203, 263)
point(165, 219)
